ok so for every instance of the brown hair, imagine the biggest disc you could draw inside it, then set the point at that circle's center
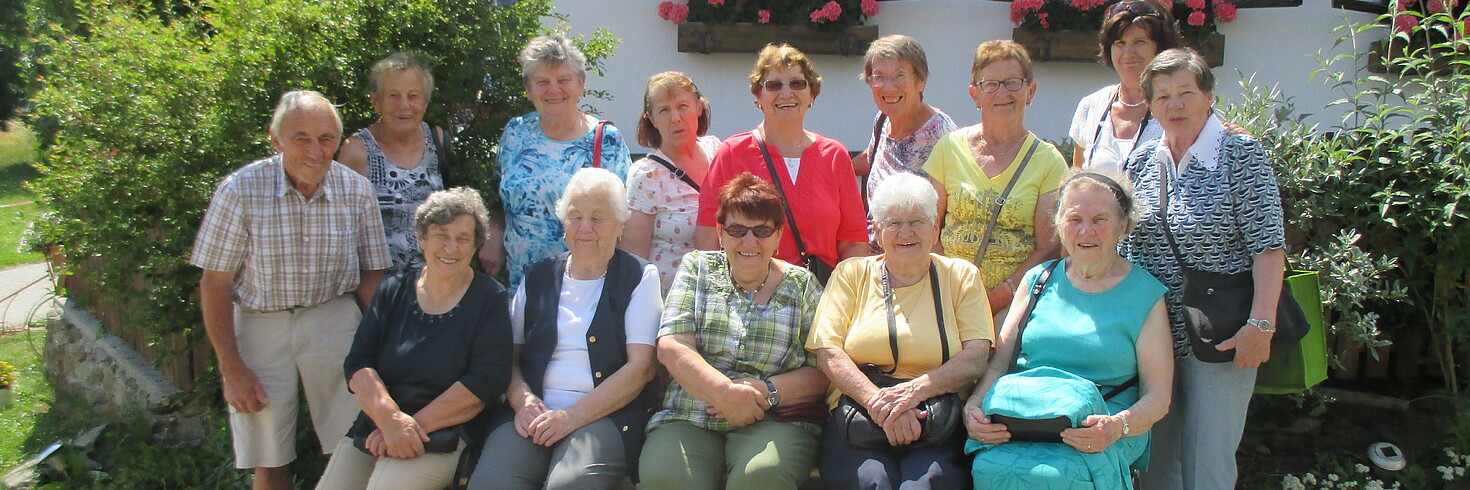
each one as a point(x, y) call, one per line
point(780, 55)
point(753, 198)
point(648, 135)
point(1176, 60)
point(1162, 29)
point(991, 52)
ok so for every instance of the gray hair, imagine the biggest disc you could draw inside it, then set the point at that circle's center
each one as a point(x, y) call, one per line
point(401, 61)
point(443, 207)
point(1104, 181)
point(551, 50)
point(597, 182)
point(296, 100)
point(897, 47)
point(1173, 60)
point(904, 192)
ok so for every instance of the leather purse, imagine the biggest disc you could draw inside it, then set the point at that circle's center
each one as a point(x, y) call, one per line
point(943, 419)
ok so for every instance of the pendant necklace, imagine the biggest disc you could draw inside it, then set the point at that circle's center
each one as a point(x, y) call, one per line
point(750, 294)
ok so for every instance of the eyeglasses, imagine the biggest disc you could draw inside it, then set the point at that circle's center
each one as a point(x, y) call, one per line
point(775, 85)
point(913, 224)
point(879, 80)
point(1136, 7)
point(738, 231)
point(1011, 84)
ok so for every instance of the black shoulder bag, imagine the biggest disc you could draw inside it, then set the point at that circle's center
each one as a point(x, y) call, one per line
point(816, 265)
point(1000, 202)
point(944, 411)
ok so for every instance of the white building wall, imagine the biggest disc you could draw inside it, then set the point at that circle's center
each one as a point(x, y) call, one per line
point(1276, 45)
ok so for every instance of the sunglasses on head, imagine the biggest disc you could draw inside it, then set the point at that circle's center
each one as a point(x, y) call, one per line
point(738, 231)
point(1135, 7)
point(775, 85)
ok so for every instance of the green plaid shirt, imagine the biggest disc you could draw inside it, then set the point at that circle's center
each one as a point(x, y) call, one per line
point(737, 336)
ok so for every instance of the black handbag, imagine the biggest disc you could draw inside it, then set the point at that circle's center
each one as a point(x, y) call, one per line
point(816, 265)
point(944, 411)
point(1217, 305)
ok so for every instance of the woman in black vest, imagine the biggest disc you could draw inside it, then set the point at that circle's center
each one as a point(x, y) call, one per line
point(584, 325)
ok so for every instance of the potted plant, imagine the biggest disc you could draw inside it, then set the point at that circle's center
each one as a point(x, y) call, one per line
point(7, 383)
point(1066, 30)
point(1427, 36)
point(745, 26)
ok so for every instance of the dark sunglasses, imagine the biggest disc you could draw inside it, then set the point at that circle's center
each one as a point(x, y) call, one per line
point(775, 85)
point(762, 231)
point(1135, 7)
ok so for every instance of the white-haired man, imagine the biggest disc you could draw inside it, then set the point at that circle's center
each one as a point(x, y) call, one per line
point(292, 249)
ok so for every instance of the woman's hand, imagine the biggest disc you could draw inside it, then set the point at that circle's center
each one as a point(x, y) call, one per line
point(402, 437)
point(1252, 347)
point(551, 426)
point(375, 444)
point(1000, 297)
point(1096, 434)
point(740, 404)
point(532, 408)
point(980, 428)
point(905, 428)
point(887, 404)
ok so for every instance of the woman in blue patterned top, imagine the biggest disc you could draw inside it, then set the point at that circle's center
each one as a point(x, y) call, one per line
point(540, 151)
point(1224, 213)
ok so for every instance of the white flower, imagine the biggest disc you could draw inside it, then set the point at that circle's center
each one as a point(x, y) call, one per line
point(1350, 484)
point(1460, 471)
point(1450, 452)
point(1445, 472)
point(1362, 468)
point(1332, 477)
point(1291, 482)
point(1309, 479)
point(1373, 485)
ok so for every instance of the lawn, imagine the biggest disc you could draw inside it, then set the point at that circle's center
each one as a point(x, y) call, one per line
point(17, 152)
point(20, 433)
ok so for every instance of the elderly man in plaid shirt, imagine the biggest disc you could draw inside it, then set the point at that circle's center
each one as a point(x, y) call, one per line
point(292, 249)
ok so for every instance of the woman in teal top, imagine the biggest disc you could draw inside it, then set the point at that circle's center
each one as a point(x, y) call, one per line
point(1099, 317)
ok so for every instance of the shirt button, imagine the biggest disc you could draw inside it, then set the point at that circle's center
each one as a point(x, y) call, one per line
point(306, 239)
point(592, 339)
point(625, 428)
point(597, 375)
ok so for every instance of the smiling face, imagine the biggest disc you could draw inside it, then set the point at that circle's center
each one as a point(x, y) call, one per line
point(1091, 223)
point(675, 113)
point(401, 99)
point(785, 104)
point(896, 89)
point(907, 234)
point(1003, 104)
point(591, 227)
point(555, 89)
point(448, 248)
point(1132, 52)
point(307, 139)
point(1178, 103)
point(749, 252)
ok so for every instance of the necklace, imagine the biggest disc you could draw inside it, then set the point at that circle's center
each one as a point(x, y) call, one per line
point(1119, 98)
point(749, 294)
point(1014, 147)
point(568, 271)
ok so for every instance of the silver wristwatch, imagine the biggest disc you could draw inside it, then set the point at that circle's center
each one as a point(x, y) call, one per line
point(1264, 325)
point(773, 397)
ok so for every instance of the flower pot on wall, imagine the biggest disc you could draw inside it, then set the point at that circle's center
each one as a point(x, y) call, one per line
point(696, 37)
point(1072, 45)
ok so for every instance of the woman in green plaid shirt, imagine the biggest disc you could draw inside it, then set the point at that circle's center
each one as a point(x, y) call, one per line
point(744, 408)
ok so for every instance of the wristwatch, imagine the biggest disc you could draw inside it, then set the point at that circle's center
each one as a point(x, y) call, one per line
point(1125, 424)
point(773, 397)
point(1264, 325)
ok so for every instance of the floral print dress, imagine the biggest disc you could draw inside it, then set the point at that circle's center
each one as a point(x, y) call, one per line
point(400, 191)
point(674, 205)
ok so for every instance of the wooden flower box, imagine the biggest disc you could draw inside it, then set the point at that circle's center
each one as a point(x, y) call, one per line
point(697, 37)
point(1392, 48)
point(1071, 45)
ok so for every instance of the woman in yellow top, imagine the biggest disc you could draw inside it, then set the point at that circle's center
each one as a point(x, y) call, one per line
point(973, 167)
point(852, 327)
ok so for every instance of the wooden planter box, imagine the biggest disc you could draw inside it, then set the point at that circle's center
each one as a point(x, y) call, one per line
point(696, 37)
point(1068, 45)
point(1383, 50)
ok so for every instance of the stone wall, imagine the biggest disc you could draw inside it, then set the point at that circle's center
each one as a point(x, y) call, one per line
point(112, 377)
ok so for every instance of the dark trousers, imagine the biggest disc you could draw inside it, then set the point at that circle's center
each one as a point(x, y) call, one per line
point(940, 467)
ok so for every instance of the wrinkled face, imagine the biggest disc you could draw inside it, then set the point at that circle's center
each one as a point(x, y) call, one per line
point(1004, 103)
point(906, 234)
point(786, 103)
point(1091, 223)
point(1178, 103)
point(591, 226)
point(401, 98)
point(308, 138)
point(675, 113)
point(1132, 52)
point(748, 252)
point(448, 248)
point(896, 89)
point(555, 89)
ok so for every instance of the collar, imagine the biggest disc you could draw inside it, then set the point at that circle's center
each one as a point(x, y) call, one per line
point(283, 184)
point(1206, 148)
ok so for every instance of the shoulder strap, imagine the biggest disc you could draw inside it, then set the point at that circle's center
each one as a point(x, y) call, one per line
point(893, 322)
point(1163, 200)
point(597, 143)
point(678, 172)
point(1036, 290)
point(442, 140)
point(780, 189)
point(939, 311)
point(877, 137)
point(1000, 202)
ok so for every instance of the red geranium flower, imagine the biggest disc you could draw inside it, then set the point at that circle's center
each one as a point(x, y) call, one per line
point(1404, 23)
point(716, 3)
point(1044, 23)
point(1195, 4)
point(870, 7)
point(1197, 18)
point(1225, 11)
point(765, 16)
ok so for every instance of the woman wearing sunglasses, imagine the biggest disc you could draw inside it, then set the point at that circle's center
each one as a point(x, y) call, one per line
point(997, 181)
point(1114, 120)
point(743, 409)
point(812, 173)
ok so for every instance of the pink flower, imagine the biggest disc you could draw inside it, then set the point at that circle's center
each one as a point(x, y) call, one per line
point(1086, 4)
point(1439, 6)
point(870, 7)
point(819, 16)
point(1225, 11)
point(1404, 23)
point(664, 10)
point(765, 16)
point(1195, 4)
point(833, 10)
point(1197, 18)
point(678, 13)
point(716, 3)
point(1018, 13)
point(1042, 17)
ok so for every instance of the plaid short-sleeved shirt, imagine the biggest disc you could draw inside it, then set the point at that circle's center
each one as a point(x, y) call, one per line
point(737, 336)
point(288, 250)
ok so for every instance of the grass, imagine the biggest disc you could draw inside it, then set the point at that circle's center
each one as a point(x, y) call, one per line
point(17, 152)
point(25, 425)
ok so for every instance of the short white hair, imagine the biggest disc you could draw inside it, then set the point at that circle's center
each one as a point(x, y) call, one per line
point(597, 182)
point(904, 192)
point(296, 100)
point(548, 51)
